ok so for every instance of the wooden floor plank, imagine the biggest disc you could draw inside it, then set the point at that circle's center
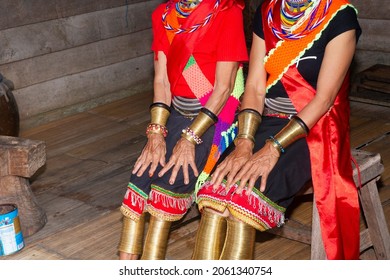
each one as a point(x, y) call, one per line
point(368, 131)
point(63, 213)
point(368, 122)
point(96, 239)
point(124, 152)
point(265, 248)
point(45, 131)
point(181, 242)
point(112, 144)
point(382, 145)
point(126, 108)
point(83, 136)
point(65, 171)
point(384, 193)
point(55, 173)
point(103, 192)
point(34, 252)
point(362, 110)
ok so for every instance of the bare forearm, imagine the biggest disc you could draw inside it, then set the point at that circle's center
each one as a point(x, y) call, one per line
point(218, 99)
point(161, 85)
point(162, 93)
point(254, 94)
point(253, 99)
point(224, 84)
point(337, 59)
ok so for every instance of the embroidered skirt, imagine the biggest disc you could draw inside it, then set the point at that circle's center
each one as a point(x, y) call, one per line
point(154, 194)
point(264, 210)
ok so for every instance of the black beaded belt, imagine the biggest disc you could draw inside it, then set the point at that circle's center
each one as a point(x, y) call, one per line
point(268, 112)
point(188, 107)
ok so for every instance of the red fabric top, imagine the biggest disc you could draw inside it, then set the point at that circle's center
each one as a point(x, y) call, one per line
point(223, 41)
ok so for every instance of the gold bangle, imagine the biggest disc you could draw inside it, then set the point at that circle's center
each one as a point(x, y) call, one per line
point(198, 127)
point(248, 122)
point(156, 128)
point(294, 130)
point(159, 115)
point(275, 144)
point(191, 136)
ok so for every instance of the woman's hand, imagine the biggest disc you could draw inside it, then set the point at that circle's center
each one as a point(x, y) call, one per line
point(152, 154)
point(183, 154)
point(232, 164)
point(260, 164)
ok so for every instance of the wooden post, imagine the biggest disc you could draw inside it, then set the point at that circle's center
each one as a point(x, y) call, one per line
point(19, 160)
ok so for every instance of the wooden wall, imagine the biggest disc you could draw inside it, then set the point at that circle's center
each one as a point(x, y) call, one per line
point(374, 44)
point(66, 56)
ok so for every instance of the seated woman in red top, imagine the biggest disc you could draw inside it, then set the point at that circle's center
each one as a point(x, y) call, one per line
point(199, 46)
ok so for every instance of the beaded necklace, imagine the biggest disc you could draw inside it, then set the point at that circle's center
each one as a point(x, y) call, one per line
point(291, 13)
point(297, 17)
point(172, 25)
point(185, 7)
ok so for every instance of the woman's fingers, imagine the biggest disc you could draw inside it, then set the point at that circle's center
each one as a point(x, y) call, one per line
point(194, 168)
point(218, 175)
point(233, 171)
point(162, 160)
point(251, 185)
point(144, 162)
point(166, 168)
point(264, 179)
point(137, 165)
point(158, 158)
point(183, 156)
point(152, 154)
point(230, 167)
point(242, 178)
point(153, 167)
point(175, 170)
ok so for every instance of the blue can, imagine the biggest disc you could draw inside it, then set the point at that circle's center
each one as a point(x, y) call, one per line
point(11, 237)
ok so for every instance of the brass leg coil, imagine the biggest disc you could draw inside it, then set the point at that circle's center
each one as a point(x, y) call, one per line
point(210, 237)
point(132, 235)
point(240, 241)
point(156, 239)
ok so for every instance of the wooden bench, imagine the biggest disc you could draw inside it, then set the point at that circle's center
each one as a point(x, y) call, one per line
point(375, 234)
point(19, 160)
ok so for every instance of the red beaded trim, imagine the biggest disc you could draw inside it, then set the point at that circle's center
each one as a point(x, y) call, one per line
point(156, 128)
point(279, 115)
point(191, 135)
